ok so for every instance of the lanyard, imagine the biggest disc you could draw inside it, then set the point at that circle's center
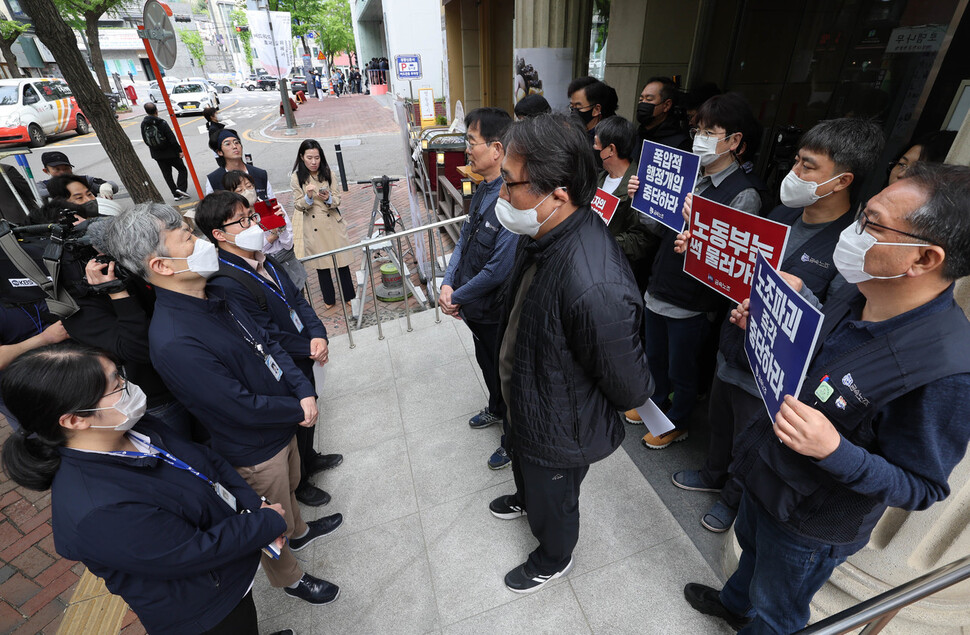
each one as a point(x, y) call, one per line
point(170, 459)
point(38, 323)
point(248, 336)
point(262, 280)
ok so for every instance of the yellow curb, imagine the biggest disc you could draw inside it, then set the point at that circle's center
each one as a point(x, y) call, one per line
point(92, 609)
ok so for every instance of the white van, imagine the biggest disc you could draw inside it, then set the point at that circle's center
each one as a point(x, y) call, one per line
point(33, 109)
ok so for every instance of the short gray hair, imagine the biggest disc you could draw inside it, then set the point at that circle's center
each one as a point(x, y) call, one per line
point(135, 236)
point(943, 219)
point(853, 145)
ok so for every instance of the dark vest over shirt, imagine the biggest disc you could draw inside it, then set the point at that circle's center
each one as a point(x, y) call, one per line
point(260, 180)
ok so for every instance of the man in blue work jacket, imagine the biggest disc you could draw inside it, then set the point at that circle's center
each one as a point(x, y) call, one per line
point(881, 420)
point(227, 371)
point(262, 287)
point(481, 262)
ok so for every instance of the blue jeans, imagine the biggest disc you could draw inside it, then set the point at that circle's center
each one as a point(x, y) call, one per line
point(778, 574)
point(672, 349)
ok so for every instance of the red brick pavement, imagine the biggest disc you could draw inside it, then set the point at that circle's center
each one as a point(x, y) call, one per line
point(349, 115)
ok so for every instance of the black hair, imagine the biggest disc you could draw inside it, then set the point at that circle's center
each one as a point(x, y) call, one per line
point(620, 133)
point(751, 133)
point(605, 96)
point(209, 113)
point(943, 218)
point(232, 179)
point(215, 209)
point(935, 145)
point(532, 105)
point(729, 111)
point(57, 186)
point(492, 122)
point(853, 145)
point(151, 109)
point(579, 83)
point(216, 145)
point(39, 387)
point(302, 173)
point(556, 152)
point(668, 88)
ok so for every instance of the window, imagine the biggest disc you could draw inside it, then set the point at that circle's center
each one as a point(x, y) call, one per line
point(8, 95)
point(182, 89)
point(30, 95)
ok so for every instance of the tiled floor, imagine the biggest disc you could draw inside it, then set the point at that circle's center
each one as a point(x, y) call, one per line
point(420, 553)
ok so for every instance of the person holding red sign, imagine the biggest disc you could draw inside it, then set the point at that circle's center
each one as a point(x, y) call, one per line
point(677, 322)
point(832, 157)
point(615, 142)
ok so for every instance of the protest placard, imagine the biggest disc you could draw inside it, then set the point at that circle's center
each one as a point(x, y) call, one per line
point(724, 243)
point(781, 333)
point(604, 204)
point(667, 175)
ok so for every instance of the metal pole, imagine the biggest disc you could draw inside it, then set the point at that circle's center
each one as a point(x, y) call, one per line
point(16, 194)
point(370, 276)
point(343, 301)
point(404, 283)
point(22, 162)
point(433, 280)
point(281, 82)
point(340, 164)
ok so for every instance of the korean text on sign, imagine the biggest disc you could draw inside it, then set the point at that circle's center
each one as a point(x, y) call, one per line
point(781, 333)
point(667, 175)
point(724, 243)
point(604, 204)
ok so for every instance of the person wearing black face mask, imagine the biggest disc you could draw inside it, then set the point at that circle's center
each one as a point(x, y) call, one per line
point(655, 115)
point(592, 101)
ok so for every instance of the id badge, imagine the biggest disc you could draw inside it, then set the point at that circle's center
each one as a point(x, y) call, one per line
point(271, 551)
point(297, 322)
point(226, 495)
point(274, 367)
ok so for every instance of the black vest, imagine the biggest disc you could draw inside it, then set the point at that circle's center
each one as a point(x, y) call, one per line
point(790, 486)
point(668, 282)
point(260, 180)
point(476, 250)
point(812, 262)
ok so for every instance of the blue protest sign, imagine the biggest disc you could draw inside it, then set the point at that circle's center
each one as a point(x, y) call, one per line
point(667, 175)
point(781, 333)
point(408, 66)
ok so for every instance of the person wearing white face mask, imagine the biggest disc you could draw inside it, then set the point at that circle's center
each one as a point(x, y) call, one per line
point(831, 158)
point(167, 524)
point(259, 284)
point(880, 420)
point(236, 380)
point(680, 309)
point(571, 352)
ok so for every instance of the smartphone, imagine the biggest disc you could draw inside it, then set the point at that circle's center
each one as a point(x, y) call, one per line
point(248, 158)
point(267, 216)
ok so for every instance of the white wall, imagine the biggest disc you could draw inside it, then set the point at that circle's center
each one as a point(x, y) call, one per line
point(414, 26)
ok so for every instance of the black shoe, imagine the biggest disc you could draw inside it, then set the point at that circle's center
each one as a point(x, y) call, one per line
point(706, 600)
point(312, 495)
point(522, 580)
point(317, 529)
point(321, 462)
point(504, 507)
point(314, 590)
point(180, 195)
point(287, 631)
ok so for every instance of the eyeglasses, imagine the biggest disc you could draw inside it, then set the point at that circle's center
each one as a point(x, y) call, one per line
point(707, 133)
point(899, 164)
point(578, 109)
point(508, 185)
point(122, 378)
point(245, 221)
point(863, 222)
point(469, 145)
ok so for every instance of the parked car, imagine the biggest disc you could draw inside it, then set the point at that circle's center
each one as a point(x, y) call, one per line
point(298, 83)
point(33, 109)
point(262, 82)
point(218, 87)
point(192, 97)
point(155, 93)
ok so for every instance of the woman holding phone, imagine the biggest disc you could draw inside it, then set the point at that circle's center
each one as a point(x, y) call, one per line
point(277, 242)
point(169, 525)
point(323, 227)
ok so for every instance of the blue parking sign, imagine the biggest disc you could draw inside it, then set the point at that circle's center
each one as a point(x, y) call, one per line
point(408, 66)
point(781, 333)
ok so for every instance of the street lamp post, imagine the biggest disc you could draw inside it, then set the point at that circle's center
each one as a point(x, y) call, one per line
point(281, 81)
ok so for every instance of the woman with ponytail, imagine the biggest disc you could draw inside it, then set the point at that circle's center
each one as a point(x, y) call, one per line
point(169, 525)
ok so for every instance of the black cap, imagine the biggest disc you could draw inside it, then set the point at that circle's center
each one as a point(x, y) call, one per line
point(55, 158)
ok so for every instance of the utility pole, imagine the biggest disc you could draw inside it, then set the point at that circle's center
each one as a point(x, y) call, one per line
point(281, 81)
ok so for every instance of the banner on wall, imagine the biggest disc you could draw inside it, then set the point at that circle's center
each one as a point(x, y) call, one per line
point(543, 71)
point(263, 40)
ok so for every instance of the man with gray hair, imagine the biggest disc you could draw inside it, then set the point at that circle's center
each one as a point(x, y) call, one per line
point(572, 351)
point(881, 418)
point(237, 381)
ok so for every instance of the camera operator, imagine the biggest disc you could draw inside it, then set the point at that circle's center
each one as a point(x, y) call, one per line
point(74, 189)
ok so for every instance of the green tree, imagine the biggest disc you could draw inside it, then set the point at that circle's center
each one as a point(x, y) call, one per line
point(57, 36)
point(10, 30)
point(84, 15)
point(193, 42)
point(239, 19)
point(335, 28)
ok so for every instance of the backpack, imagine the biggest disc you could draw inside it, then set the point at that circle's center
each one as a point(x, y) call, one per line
point(153, 134)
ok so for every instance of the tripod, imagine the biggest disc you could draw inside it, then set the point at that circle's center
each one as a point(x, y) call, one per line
point(392, 247)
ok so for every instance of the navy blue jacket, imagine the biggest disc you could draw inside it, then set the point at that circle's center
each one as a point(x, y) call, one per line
point(200, 351)
point(160, 537)
point(275, 320)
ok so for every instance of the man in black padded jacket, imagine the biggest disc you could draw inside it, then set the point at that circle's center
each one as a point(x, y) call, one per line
point(572, 354)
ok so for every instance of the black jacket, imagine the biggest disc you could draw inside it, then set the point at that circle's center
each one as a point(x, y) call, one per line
point(171, 149)
point(579, 351)
point(669, 133)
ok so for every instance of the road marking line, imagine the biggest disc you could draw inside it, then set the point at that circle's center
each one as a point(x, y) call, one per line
point(268, 116)
point(248, 137)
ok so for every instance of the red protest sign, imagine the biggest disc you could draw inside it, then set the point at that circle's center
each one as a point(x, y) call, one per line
point(724, 246)
point(604, 204)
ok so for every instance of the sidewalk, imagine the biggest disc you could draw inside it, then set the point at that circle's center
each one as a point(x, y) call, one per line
point(344, 116)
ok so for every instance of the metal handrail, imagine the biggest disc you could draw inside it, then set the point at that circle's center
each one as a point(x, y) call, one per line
point(366, 246)
point(876, 612)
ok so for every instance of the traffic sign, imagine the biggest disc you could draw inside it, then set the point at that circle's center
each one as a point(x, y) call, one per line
point(408, 66)
point(311, 35)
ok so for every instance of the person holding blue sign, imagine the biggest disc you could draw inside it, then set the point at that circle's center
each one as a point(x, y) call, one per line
point(261, 286)
point(168, 524)
point(831, 160)
point(677, 323)
point(880, 420)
